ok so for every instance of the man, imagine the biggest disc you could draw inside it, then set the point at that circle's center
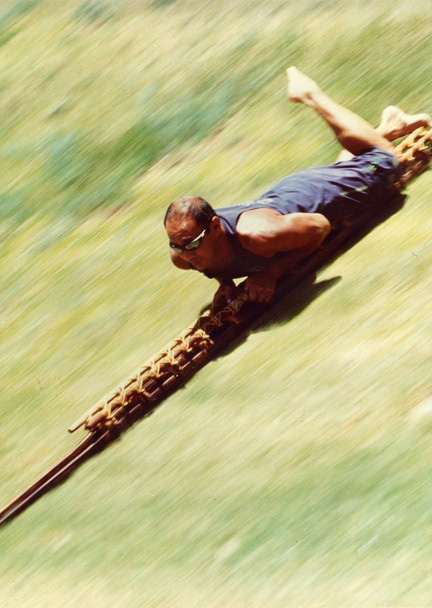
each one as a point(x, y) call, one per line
point(264, 238)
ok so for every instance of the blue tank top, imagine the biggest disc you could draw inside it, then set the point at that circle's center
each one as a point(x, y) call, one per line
point(244, 262)
point(346, 189)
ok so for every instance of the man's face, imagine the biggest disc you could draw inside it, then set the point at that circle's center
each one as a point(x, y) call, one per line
point(183, 231)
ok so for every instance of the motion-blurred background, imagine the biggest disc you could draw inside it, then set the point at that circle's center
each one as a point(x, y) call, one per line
point(295, 469)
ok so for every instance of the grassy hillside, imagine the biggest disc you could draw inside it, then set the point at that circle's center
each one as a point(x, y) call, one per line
point(293, 470)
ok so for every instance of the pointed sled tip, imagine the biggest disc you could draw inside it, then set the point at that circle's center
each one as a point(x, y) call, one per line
point(86, 448)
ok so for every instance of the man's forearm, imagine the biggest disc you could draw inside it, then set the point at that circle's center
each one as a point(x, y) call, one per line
point(261, 286)
point(287, 261)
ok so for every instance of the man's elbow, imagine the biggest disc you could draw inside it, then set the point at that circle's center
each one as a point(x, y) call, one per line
point(309, 229)
point(322, 228)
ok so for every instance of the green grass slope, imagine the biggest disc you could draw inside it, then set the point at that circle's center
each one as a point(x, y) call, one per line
point(295, 469)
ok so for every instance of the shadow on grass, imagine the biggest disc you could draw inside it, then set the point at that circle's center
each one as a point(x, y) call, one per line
point(290, 303)
point(286, 309)
point(297, 298)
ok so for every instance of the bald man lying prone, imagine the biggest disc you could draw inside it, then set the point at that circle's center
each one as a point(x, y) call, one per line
point(264, 238)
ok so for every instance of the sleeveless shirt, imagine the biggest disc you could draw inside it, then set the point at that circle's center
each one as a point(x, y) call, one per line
point(346, 189)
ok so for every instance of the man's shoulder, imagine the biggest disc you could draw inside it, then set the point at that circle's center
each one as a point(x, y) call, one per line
point(234, 214)
point(253, 221)
point(257, 203)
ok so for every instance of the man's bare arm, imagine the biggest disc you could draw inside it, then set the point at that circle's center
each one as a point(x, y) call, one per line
point(286, 261)
point(261, 286)
point(266, 232)
point(289, 238)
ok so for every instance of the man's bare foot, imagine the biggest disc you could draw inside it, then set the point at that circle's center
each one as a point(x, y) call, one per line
point(395, 123)
point(301, 88)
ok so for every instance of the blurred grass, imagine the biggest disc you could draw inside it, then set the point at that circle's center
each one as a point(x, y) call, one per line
point(291, 471)
point(77, 133)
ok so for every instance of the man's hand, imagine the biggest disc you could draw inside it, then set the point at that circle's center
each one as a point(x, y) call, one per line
point(260, 287)
point(224, 295)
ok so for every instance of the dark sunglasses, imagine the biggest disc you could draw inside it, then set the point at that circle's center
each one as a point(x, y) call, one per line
point(193, 244)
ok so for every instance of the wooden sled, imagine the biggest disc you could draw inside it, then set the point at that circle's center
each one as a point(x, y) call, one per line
point(144, 390)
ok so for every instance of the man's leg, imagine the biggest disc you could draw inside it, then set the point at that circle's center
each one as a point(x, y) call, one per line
point(394, 124)
point(353, 132)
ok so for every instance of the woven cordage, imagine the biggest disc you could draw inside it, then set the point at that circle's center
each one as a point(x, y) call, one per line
point(165, 370)
point(414, 153)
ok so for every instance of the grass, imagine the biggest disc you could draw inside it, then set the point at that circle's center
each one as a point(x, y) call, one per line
point(293, 470)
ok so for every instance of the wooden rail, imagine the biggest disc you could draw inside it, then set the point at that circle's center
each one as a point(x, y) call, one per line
point(144, 390)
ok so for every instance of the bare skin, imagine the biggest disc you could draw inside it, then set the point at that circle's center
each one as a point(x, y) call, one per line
point(395, 123)
point(263, 232)
point(353, 132)
point(267, 233)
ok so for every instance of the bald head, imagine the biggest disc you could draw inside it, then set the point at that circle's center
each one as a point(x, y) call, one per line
point(190, 207)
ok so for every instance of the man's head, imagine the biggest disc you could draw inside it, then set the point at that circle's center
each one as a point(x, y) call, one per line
point(194, 231)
